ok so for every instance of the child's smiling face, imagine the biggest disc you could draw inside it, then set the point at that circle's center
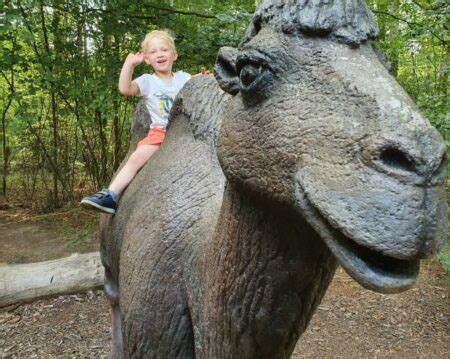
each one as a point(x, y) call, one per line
point(160, 55)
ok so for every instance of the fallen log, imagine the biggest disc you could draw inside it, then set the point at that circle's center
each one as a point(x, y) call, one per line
point(26, 282)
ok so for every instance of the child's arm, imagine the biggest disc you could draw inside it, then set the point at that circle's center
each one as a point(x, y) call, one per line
point(126, 86)
point(204, 72)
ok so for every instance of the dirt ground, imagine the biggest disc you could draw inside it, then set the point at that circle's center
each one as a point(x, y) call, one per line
point(350, 323)
point(28, 238)
point(354, 322)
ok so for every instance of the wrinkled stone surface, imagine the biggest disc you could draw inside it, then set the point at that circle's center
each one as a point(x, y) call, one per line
point(226, 241)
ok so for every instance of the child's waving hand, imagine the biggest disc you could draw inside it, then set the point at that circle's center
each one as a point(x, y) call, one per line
point(135, 59)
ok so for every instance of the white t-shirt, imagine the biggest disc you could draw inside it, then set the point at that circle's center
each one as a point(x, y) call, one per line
point(159, 95)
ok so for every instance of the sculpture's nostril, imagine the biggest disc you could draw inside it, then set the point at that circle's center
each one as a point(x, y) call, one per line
point(396, 159)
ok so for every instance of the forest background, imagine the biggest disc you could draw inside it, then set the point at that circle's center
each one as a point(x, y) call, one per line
point(65, 127)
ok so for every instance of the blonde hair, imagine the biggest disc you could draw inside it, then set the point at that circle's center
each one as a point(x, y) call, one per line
point(160, 34)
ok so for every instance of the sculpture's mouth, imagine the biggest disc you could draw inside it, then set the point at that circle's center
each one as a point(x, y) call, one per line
point(369, 267)
point(373, 269)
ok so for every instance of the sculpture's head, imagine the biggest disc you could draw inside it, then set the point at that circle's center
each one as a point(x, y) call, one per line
point(317, 124)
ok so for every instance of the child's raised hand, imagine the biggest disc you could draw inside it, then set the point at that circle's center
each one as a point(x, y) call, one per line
point(135, 59)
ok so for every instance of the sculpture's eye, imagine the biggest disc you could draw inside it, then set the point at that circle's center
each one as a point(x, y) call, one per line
point(255, 80)
point(249, 74)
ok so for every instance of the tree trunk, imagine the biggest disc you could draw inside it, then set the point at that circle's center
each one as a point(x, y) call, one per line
point(55, 151)
point(26, 282)
point(5, 148)
point(393, 7)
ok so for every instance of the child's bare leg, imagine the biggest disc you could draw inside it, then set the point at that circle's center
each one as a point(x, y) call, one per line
point(106, 200)
point(135, 162)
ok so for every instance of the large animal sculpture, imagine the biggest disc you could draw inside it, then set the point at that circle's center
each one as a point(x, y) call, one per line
point(308, 155)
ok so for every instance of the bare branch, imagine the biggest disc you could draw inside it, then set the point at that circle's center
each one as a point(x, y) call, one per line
point(411, 24)
point(430, 8)
point(133, 15)
point(181, 12)
point(10, 85)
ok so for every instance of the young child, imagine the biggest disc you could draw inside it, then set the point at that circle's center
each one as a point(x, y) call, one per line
point(159, 91)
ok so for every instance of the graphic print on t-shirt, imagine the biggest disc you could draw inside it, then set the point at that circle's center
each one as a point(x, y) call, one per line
point(160, 96)
point(165, 103)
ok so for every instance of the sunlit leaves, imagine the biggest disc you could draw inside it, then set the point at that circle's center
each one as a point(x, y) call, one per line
point(88, 41)
point(415, 37)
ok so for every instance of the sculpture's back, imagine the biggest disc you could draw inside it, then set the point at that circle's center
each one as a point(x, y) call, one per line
point(324, 156)
point(168, 210)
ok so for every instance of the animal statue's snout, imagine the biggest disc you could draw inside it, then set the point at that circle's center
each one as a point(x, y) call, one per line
point(409, 161)
point(411, 166)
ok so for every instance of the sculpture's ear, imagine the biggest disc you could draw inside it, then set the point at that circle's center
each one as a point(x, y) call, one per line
point(225, 70)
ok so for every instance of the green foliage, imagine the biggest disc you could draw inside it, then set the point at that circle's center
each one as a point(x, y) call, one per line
point(415, 36)
point(66, 126)
point(444, 254)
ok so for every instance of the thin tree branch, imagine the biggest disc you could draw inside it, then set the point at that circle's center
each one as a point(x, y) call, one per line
point(411, 24)
point(49, 159)
point(181, 12)
point(7, 80)
point(429, 8)
point(134, 15)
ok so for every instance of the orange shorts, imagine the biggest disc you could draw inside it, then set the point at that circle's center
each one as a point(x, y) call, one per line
point(154, 137)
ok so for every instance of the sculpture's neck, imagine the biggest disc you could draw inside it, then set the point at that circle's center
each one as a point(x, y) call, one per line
point(268, 275)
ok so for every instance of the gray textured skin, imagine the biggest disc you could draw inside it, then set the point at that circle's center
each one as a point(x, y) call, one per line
point(226, 241)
